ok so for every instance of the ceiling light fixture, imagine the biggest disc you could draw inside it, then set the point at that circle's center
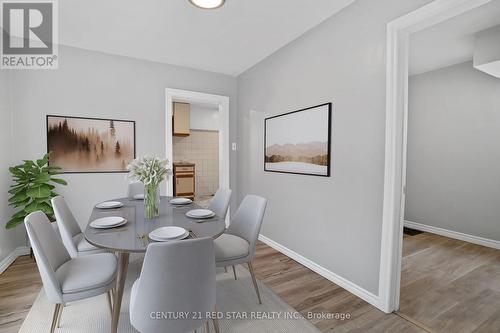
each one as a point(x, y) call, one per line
point(207, 4)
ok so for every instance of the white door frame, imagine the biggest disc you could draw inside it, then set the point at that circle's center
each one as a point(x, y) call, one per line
point(193, 96)
point(398, 37)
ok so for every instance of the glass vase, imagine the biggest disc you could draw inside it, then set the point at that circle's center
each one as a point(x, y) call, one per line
point(151, 201)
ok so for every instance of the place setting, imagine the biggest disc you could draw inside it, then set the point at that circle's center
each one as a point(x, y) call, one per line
point(109, 205)
point(108, 222)
point(201, 215)
point(139, 196)
point(167, 234)
point(180, 202)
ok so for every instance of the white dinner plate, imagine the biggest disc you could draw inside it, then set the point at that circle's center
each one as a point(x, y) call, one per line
point(139, 196)
point(112, 226)
point(200, 213)
point(181, 201)
point(167, 233)
point(109, 204)
point(108, 222)
point(168, 240)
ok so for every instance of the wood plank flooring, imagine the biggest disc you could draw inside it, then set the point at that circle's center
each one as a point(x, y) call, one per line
point(19, 286)
point(447, 286)
point(450, 286)
point(309, 292)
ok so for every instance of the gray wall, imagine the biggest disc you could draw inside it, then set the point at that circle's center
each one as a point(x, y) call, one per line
point(105, 86)
point(453, 178)
point(9, 239)
point(335, 222)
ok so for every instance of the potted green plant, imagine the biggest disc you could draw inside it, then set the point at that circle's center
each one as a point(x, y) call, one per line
point(32, 189)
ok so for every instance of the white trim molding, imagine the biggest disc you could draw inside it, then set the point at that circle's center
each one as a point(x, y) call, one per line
point(398, 35)
point(327, 274)
point(194, 96)
point(222, 102)
point(454, 234)
point(7, 261)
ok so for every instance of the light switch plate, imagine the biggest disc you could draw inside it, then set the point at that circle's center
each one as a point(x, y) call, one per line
point(233, 146)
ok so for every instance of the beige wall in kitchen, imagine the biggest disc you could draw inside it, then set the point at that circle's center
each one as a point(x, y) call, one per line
point(201, 147)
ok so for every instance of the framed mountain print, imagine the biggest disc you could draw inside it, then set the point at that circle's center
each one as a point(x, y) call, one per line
point(298, 142)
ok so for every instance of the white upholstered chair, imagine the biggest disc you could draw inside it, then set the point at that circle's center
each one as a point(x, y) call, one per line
point(237, 244)
point(135, 188)
point(67, 279)
point(176, 277)
point(220, 202)
point(71, 234)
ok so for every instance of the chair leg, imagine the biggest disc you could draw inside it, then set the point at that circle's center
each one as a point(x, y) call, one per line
point(234, 272)
point(54, 318)
point(225, 268)
point(216, 320)
point(110, 304)
point(59, 315)
point(250, 268)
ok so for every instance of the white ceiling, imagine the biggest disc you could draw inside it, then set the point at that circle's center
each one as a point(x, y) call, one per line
point(228, 40)
point(451, 42)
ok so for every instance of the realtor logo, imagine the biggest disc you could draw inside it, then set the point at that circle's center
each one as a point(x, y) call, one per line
point(29, 36)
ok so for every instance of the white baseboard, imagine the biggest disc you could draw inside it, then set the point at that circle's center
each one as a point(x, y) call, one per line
point(7, 261)
point(327, 274)
point(454, 234)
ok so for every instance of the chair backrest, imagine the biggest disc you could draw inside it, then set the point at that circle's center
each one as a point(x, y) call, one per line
point(220, 202)
point(67, 224)
point(247, 221)
point(176, 277)
point(49, 251)
point(134, 188)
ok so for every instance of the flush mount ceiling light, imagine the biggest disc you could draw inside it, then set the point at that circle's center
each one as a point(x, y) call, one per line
point(207, 4)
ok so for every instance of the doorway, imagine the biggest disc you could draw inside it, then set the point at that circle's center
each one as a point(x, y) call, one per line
point(209, 126)
point(398, 39)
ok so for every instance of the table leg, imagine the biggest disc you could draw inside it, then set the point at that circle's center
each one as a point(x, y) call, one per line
point(120, 284)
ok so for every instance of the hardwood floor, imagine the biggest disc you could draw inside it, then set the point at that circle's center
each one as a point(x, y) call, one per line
point(19, 286)
point(309, 292)
point(447, 286)
point(450, 286)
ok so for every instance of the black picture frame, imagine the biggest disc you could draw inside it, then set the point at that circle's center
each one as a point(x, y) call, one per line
point(90, 118)
point(328, 170)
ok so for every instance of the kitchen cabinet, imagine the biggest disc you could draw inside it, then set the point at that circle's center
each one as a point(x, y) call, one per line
point(184, 177)
point(180, 119)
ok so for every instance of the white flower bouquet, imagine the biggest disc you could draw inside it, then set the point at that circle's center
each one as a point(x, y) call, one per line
point(150, 171)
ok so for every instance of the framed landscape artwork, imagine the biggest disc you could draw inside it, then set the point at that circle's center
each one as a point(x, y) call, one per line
point(298, 142)
point(84, 145)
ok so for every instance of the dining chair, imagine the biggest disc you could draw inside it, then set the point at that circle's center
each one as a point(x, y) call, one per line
point(237, 244)
point(220, 202)
point(67, 279)
point(134, 188)
point(71, 233)
point(176, 277)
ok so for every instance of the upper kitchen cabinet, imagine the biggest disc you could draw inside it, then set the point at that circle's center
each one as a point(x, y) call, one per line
point(180, 121)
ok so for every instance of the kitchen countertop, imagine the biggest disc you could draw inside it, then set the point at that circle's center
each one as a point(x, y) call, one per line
point(183, 164)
